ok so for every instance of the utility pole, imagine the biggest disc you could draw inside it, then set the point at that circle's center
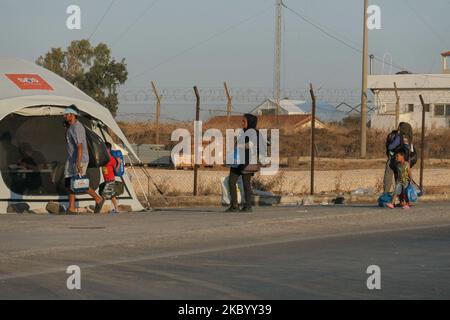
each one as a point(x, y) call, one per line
point(229, 104)
point(277, 64)
point(365, 61)
point(397, 106)
point(158, 110)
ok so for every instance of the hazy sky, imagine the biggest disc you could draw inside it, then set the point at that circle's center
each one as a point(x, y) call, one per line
point(414, 32)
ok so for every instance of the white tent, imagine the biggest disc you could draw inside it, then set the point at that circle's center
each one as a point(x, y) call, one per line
point(32, 100)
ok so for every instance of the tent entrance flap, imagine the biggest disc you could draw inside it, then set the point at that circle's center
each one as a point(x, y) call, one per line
point(33, 155)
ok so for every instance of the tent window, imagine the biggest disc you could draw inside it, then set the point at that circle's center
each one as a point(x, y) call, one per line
point(33, 155)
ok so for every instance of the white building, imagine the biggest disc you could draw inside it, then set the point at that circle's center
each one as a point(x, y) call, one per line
point(287, 107)
point(435, 89)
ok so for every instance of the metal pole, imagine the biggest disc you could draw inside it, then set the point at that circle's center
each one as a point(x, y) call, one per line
point(371, 64)
point(422, 145)
point(313, 127)
point(197, 118)
point(364, 84)
point(229, 104)
point(397, 106)
point(277, 64)
point(158, 110)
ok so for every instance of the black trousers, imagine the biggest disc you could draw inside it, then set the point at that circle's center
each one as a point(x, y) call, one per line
point(246, 179)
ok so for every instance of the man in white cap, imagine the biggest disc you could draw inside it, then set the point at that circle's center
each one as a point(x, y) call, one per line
point(77, 157)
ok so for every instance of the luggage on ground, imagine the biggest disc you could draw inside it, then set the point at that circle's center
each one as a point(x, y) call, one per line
point(384, 199)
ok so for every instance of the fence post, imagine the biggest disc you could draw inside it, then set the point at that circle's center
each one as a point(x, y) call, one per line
point(313, 134)
point(229, 104)
point(397, 106)
point(197, 118)
point(422, 154)
point(158, 110)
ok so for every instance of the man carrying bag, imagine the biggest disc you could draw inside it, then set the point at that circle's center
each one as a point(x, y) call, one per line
point(77, 159)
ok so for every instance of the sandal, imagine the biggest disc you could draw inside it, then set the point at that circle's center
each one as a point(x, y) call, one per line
point(99, 206)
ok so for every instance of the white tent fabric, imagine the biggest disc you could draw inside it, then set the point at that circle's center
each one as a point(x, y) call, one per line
point(29, 90)
point(13, 98)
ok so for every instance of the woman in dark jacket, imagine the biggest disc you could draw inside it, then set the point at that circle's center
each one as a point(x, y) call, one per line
point(249, 121)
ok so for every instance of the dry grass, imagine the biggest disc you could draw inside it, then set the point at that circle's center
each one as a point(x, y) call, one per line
point(338, 141)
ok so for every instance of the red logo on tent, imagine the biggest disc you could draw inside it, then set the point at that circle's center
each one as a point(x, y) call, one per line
point(29, 82)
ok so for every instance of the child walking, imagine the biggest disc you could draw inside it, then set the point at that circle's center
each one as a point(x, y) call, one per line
point(403, 177)
point(109, 191)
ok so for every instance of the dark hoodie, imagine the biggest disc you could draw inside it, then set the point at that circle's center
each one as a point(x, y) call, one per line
point(252, 122)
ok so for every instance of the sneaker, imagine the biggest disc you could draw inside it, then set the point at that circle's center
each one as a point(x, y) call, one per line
point(246, 210)
point(390, 206)
point(406, 206)
point(232, 209)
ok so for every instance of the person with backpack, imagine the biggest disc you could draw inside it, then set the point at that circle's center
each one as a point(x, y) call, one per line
point(246, 170)
point(400, 139)
point(77, 158)
point(108, 188)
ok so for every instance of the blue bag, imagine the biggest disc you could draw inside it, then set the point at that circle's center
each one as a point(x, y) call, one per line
point(119, 170)
point(384, 199)
point(413, 192)
point(235, 158)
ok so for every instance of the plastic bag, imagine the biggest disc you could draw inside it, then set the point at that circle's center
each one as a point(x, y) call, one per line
point(384, 199)
point(226, 198)
point(413, 192)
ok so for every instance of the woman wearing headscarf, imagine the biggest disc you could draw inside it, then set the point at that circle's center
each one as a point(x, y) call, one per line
point(249, 122)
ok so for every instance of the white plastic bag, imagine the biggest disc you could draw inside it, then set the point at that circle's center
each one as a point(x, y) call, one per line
point(226, 198)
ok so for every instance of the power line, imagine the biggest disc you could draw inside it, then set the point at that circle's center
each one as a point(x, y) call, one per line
point(200, 43)
point(101, 19)
point(143, 13)
point(330, 35)
point(429, 26)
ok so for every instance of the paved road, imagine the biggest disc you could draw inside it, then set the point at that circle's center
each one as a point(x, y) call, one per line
point(281, 253)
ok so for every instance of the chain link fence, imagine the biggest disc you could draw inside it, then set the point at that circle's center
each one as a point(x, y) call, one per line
point(338, 168)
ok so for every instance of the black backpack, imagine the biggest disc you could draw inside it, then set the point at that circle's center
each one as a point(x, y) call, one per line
point(98, 153)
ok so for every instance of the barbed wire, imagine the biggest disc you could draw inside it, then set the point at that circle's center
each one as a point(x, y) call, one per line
point(241, 95)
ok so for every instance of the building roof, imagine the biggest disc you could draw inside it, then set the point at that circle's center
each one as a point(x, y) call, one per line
point(409, 81)
point(290, 106)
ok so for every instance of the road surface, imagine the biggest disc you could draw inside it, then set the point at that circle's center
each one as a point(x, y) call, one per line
point(274, 253)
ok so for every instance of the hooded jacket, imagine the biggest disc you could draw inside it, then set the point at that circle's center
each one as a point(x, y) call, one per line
point(252, 122)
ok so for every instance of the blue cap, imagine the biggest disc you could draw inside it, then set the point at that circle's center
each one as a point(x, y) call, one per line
point(70, 111)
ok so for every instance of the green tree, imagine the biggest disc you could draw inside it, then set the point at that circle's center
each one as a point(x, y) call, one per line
point(91, 69)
